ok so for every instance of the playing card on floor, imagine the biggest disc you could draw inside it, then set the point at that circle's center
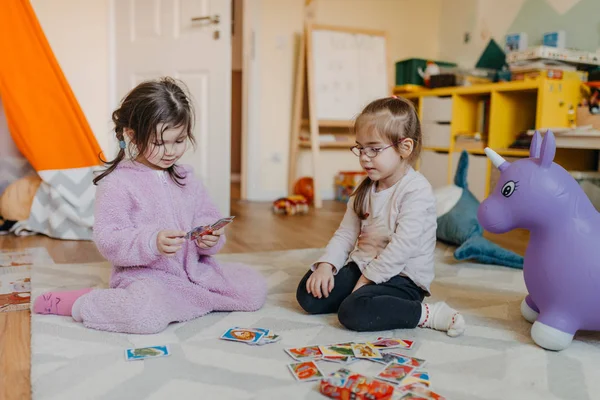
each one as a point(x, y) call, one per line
point(305, 353)
point(306, 371)
point(391, 343)
point(243, 335)
point(365, 350)
point(395, 373)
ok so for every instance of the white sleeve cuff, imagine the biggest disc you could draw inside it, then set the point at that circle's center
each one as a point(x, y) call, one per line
point(152, 244)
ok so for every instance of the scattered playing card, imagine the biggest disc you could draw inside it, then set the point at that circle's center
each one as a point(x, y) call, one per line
point(406, 360)
point(387, 358)
point(365, 350)
point(340, 360)
point(269, 337)
point(337, 350)
point(419, 392)
point(146, 352)
point(305, 353)
point(395, 373)
point(243, 335)
point(417, 377)
point(391, 343)
point(306, 371)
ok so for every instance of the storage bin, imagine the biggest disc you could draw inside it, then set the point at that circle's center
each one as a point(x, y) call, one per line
point(434, 166)
point(436, 109)
point(436, 134)
point(407, 71)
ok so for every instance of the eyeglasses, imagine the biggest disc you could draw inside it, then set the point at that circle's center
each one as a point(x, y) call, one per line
point(371, 152)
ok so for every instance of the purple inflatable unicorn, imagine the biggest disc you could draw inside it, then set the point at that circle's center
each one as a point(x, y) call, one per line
point(562, 261)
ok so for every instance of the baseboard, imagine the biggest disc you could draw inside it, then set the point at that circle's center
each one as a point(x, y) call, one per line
point(236, 178)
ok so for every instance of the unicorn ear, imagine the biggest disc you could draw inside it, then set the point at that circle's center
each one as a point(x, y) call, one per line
point(536, 145)
point(548, 149)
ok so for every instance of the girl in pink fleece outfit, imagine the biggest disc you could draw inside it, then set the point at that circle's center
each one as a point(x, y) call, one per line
point(145, 203)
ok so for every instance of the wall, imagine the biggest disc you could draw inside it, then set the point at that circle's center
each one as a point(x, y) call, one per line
point(485, 19)
point(78, 34)
point(413, 32)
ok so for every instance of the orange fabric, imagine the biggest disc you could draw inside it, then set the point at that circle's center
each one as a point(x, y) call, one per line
point(44, 117)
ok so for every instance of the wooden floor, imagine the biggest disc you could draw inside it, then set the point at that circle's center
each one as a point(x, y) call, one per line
point(255, 228)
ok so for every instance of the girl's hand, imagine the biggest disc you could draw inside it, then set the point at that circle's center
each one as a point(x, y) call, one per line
point(362, 281)
point(208, 241)
point(321, 282)
point(169, 241)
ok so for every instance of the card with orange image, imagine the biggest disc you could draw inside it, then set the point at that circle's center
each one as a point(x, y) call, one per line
point(305, 353)
point(243, 335)
point(306, 371)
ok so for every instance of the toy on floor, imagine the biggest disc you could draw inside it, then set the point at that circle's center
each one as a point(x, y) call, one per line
point(458, 225)
point(305, 187)
point(291, 205)
point(562, 261)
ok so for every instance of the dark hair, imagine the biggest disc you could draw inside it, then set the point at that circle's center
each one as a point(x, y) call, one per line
point(162, 101)
point(393, 119)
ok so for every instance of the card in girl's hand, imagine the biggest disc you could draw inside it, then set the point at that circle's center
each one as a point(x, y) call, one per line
point(305, 353)
point(306, 371)
point(390, 343)
point(200, 231)
point(395, 373)
point(365, 350)
point(250, 336)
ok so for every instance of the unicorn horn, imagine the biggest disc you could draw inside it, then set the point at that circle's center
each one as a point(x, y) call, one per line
point(496, 159)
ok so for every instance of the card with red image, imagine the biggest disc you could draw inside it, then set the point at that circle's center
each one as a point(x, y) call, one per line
point(200, 231)
point(395, 373)
point(306, 371)
point(391, 343)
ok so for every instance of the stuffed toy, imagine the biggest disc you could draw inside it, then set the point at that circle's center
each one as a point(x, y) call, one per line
point(457, 223)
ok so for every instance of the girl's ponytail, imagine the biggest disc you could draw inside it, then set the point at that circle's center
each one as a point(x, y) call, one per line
point(120, 156)
point(361, 194)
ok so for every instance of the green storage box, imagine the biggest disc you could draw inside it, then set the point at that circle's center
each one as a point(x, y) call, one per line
point(407, 71)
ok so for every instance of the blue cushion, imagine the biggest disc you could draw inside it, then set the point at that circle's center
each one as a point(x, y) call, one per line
point(458, 224)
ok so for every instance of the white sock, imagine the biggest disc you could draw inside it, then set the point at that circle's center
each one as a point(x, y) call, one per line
point(76, 311)
point(441, 317)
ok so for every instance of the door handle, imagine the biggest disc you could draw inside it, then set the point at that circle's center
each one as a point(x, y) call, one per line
point(211, 19)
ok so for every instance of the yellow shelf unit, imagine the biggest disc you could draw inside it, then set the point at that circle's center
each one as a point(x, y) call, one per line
point(512, 107)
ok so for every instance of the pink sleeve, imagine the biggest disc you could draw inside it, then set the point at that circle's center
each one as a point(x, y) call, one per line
point(120, 240)
point(206, 213)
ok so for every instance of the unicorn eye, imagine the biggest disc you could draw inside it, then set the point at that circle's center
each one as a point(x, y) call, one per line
point(509, 188)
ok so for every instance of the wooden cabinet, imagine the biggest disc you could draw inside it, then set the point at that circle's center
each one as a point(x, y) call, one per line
point(499, 113)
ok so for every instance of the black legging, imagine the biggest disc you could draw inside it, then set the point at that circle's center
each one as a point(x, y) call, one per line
point(395, 304)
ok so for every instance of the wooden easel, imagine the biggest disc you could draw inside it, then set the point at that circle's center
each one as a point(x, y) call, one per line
point(304, 111)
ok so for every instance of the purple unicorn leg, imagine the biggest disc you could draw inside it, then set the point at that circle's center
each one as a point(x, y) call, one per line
point(529, 310)
point(546, 334)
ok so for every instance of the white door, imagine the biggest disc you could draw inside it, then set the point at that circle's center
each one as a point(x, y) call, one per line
point(188, 40)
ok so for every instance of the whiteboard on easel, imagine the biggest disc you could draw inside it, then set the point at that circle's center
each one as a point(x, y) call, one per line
point(350, 71)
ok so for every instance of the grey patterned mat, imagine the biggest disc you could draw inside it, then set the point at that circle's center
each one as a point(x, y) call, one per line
point(495, 359)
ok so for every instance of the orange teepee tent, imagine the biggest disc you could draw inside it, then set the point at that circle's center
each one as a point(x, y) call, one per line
point(48, 127)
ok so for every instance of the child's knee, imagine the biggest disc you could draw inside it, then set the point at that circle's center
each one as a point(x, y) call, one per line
point(352, 317)
point(307, 301)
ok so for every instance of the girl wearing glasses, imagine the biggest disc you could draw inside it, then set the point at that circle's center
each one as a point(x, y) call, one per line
point(379, 265)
